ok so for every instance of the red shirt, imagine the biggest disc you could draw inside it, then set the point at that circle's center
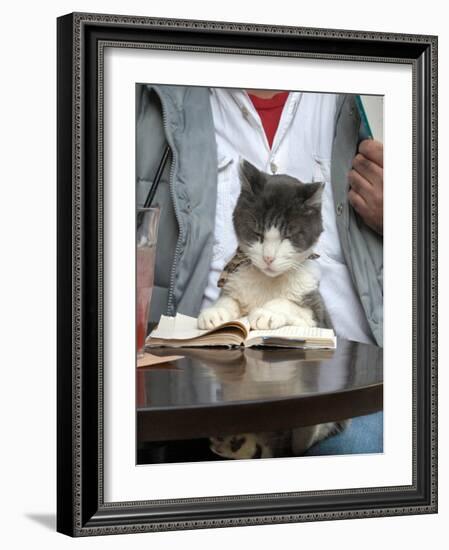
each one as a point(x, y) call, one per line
point(270, 110)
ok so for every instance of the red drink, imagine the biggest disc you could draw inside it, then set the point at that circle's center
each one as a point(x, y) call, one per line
point(145, 260)
point(145, 279)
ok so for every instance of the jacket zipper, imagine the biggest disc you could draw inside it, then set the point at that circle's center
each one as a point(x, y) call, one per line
point(170, 304)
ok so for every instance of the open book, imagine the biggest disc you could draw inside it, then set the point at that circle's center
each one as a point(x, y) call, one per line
point(181, 331)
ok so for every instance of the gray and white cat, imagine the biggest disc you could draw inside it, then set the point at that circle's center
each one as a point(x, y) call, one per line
point(277, 220)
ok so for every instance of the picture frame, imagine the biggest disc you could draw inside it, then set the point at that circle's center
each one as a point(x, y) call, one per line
point(81, 507)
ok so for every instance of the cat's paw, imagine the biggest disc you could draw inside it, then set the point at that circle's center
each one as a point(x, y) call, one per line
point(241, 446)
point(262, 318)
point(213, 317)
point(305, 321)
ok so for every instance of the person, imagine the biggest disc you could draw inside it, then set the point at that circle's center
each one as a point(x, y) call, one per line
point(314, 137)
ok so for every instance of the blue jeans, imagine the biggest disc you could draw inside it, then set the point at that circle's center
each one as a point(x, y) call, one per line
point(363, 435)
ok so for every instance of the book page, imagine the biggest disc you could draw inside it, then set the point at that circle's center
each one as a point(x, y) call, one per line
point(179, 327)
point(293, 332)
point(183, 327)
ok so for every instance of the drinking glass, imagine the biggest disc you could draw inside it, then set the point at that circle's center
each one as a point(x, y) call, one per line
point(146, 237)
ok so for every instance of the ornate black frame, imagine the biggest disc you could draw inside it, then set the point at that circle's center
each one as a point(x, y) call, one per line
point(81, 510)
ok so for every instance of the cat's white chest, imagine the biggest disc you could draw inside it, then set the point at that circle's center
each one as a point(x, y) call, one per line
point(252, 289)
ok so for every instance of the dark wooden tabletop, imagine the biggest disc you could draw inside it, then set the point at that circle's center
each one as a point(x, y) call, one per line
point(220, 391)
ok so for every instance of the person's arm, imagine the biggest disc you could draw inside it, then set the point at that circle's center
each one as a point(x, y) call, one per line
point(366, 181)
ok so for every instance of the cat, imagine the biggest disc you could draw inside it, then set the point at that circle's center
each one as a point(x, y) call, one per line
point(277, 221)
point(275, 282)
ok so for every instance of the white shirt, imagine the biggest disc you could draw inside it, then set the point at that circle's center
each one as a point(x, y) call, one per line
point(302, 148)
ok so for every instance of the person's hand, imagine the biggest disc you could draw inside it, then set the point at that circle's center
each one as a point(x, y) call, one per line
point(366, 180)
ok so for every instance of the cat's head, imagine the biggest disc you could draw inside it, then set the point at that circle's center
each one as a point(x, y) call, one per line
point(277, 219)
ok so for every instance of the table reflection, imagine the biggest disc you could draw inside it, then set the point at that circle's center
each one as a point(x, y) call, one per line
point(206, 376)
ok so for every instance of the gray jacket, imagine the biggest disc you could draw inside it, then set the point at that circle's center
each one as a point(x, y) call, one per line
point(182, 117)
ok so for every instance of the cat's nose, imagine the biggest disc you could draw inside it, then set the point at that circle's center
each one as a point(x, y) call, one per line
point(268, 259)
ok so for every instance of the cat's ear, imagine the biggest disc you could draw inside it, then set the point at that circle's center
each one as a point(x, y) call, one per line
point(251, 178)
point(314, 192)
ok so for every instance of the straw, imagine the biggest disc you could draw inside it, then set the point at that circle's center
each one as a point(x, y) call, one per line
point(157, 178)
point(155, 184)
